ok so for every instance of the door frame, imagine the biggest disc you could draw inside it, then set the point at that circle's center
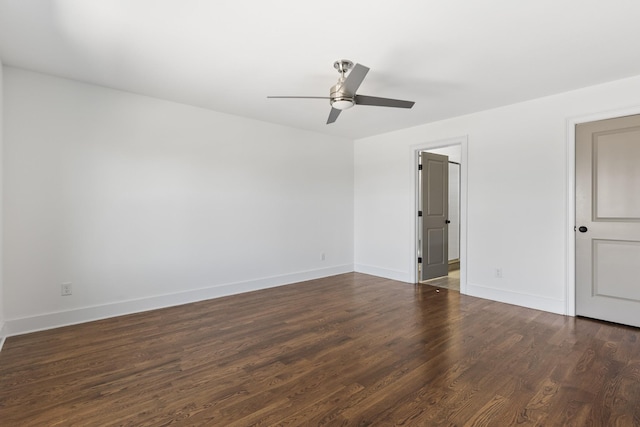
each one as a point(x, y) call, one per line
point(461, 141)
point(570, 242)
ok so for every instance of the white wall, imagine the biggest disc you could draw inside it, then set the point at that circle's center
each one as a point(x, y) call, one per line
point(142, 203)
point(2, 330)
point(517, 195)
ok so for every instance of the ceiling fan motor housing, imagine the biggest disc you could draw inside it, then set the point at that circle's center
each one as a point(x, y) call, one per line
point(339, 98)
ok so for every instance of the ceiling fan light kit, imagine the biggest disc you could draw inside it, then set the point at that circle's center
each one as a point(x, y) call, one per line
point(342, 95)
point(342, 103)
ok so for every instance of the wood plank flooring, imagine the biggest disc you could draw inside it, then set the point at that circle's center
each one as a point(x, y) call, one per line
point(352, 350)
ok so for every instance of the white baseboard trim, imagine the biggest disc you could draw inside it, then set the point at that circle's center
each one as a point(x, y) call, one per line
point(401, 276)
point(87, 314)
point(517, 298)
point(3, 335)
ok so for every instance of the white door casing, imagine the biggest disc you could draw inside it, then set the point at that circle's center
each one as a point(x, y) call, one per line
point(462, 142)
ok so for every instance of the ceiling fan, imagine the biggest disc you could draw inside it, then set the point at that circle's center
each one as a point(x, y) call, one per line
point(343, 95)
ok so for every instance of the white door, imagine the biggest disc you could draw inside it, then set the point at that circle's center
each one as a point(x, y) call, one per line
point(435, 203)
point(608, 220)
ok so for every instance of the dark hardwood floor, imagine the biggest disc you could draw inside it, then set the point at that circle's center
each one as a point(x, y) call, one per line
point(347, 350)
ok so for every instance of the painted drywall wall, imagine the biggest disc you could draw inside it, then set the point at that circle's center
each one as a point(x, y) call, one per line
point(517, 195)
point(139, 202)
point(2, 331)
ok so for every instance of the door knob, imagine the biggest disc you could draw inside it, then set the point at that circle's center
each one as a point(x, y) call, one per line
point(582, 229)
point(446, 221)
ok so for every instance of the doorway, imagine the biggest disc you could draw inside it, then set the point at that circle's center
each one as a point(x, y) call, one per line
point(439, 217)
point(454, 275)
point(571, 226)
point(607, 236)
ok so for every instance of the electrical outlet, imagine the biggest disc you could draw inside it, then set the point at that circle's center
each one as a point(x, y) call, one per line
point(66, 289)
point(499, 273)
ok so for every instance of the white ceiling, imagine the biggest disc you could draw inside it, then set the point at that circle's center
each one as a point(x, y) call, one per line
point(450, 56)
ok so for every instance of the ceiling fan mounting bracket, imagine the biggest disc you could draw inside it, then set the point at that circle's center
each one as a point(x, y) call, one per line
point(343, 66)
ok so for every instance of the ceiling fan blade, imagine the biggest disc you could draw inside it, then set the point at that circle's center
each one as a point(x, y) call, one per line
point(300, 97)
point(355, 78)
point(333, 115)
point(382, 102)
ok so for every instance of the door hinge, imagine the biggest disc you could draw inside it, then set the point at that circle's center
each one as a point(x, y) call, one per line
point(419, 167)
point(419, 213)
point(419, 260)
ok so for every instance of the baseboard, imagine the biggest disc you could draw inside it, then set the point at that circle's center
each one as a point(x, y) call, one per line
point(517, 298)
point(3, 335)
point(400, 276)
point(87, 314)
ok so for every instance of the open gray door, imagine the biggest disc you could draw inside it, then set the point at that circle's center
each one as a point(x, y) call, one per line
point(608, 220)
point(435, 203)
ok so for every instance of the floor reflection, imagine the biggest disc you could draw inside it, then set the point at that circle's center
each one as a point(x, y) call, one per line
point(451, 282)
